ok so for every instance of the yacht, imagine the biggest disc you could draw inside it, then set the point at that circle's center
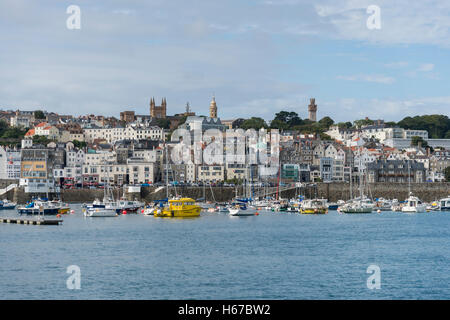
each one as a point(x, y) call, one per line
point(444, 204)
point(6, 204)
point(413, 204)
point(237, 211)
point(100, 212)
point(314, 206)
point(356, 206)
point(43, 206)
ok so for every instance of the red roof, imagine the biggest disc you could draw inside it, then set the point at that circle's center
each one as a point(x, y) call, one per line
point(30, 133)
point(42, 124)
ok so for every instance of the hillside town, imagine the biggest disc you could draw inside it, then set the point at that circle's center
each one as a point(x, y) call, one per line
point(64, 151)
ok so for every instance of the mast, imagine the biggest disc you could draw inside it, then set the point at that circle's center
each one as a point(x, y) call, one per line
point(360, 177)
point(167, 169)
point(351, 175)
point(409, 178)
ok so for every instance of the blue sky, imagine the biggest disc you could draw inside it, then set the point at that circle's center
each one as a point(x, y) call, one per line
point(258, 57)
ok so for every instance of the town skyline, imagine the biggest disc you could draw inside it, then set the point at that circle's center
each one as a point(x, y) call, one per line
point(267, 56)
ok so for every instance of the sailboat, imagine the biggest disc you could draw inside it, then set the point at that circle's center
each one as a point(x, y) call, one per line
point(412, 203)
point(361, 204)
point(107, 208)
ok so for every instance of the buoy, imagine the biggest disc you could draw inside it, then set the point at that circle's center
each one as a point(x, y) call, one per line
point(124, 212)
point(257, 214)
point(58, 215)
point(72, 211)
point(142, 211)
point(379, 211)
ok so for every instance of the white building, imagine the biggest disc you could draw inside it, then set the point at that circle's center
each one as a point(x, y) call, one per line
point(9, 163)
point(130, 132)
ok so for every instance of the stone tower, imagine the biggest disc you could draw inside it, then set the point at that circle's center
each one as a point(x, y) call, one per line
point(213, 108)
point(312, 110)
point(158, 111)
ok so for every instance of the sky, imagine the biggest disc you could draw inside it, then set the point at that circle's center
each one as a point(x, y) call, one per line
point(257, 57)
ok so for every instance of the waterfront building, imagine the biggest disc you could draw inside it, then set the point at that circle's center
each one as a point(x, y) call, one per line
point(396, 171)
point(10, 163)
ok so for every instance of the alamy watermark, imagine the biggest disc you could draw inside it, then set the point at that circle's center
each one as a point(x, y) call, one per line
point(374, 280)
point(214, 147)
point(374, 20)
point(74, 280)
point(73, 22)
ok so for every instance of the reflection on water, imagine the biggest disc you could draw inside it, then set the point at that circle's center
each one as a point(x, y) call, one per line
point(276, 255)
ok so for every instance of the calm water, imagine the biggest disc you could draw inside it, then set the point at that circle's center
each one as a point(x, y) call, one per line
point(270, 256)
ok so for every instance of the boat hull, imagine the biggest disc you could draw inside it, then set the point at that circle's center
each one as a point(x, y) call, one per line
point(194, 212)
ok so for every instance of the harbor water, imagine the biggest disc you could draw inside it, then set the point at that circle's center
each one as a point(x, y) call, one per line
point(274, 255)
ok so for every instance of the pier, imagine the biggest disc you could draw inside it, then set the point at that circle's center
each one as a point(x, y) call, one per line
point(38, 221)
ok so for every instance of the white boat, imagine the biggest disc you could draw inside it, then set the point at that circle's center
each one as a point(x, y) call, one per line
point(238, 212)
point(444, 204)
point(149, 211)
point(383, 205)
point(6, 204)
point(413, 205)
point(100, 212)
point(356, 206)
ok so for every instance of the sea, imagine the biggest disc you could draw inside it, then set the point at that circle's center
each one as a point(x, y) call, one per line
point(274, 255)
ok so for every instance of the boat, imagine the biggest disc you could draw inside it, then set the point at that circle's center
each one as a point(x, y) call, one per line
point(361, 204)
point(223, 209)
point(356, 206)
point(314, 206)
point(43, 206)
point(237, 211)
point(413, 205)
point(7, 205)
point(444, 204)
point(128, 205)
point(184, 207)
point(100, 212)
point(333, 206)
point(383, 205)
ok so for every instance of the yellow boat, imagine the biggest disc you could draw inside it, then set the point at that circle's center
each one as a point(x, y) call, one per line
point(314, 206)
point(184, 207)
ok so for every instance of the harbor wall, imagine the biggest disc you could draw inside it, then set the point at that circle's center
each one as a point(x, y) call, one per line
point(332, 191)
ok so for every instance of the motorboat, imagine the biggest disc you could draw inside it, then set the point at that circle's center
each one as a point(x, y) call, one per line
point(5, 204)
point(184, 207)
point(444, 204)
point(45, 207)
point(100, 212)
point(413, 205)
point(356, 206)
point(314, 206)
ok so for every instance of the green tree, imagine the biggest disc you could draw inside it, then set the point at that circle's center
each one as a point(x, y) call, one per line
point(163, 123)
point(415, 140)
point(39, 114)
point(436, 125)
point(447, 174)
point(79, 144)
point(278, 124)
point(254, 123)
point(326, 122)
point(289, 118)
point(40, 140)
point(362, 122)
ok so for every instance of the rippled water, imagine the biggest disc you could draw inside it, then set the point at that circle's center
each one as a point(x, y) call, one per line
point(270, 256)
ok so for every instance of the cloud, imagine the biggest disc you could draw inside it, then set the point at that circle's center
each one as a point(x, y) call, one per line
point(427, 67)
point(368, 78)
point(397, 65)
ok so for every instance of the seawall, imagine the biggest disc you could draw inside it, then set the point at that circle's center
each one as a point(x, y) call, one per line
point(332, 191)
